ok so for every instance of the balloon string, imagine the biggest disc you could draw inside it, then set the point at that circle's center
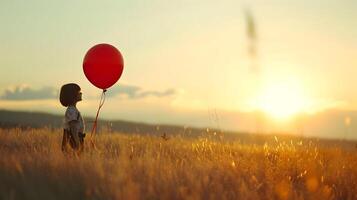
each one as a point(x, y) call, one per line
point(101, 102)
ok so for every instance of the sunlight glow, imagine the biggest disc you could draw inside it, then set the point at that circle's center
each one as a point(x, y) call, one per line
point(282, 99)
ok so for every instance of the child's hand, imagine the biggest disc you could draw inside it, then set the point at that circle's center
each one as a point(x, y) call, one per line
point(74, 132)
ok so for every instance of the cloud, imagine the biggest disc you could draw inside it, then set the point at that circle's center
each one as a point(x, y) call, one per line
point(135, 92)
point(25, 92)
point(168, 92)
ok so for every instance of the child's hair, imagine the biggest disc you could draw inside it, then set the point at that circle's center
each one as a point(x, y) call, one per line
point(68, 94)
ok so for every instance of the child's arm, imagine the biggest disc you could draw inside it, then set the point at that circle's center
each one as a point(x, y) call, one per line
point(74, 132)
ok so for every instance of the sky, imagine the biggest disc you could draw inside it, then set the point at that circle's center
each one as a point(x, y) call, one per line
point(189, 62)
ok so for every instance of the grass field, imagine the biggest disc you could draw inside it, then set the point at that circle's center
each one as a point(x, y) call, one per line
point(32, 166)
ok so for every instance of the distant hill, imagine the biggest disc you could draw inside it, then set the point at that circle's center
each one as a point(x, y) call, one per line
point(11, 119)
point(20, 119)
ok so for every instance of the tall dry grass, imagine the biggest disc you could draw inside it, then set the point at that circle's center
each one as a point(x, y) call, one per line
point(32, 166)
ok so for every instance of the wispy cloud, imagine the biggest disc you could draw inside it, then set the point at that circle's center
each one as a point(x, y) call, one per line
point(135, 92)
point(167, 92)
point(25, 92)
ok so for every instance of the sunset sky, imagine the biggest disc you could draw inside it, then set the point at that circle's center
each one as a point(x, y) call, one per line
point(187, 62)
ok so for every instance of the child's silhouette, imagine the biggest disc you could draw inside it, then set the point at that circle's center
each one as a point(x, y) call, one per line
point(73, 132)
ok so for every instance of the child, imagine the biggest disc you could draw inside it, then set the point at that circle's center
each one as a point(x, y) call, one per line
point(73, 132)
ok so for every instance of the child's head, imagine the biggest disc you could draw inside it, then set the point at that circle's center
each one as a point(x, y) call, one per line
point(70, 94)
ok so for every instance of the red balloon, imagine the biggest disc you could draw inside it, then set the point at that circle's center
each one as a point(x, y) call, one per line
point(103, 65)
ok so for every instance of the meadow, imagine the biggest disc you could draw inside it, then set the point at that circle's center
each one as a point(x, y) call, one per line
point(130, 166)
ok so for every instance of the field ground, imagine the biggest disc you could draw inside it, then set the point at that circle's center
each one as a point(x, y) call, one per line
point(32, 166)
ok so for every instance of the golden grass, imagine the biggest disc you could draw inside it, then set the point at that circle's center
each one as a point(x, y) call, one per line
point(32, 166)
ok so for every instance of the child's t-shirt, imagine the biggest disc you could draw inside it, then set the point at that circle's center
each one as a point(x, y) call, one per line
point(72, 113)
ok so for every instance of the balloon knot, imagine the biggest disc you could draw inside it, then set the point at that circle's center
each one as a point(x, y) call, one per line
point(104, 90)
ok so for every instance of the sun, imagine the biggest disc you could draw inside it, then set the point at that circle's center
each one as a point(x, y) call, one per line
point(282, 99)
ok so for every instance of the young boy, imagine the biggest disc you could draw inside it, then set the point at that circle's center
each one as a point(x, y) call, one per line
point(73, 132)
